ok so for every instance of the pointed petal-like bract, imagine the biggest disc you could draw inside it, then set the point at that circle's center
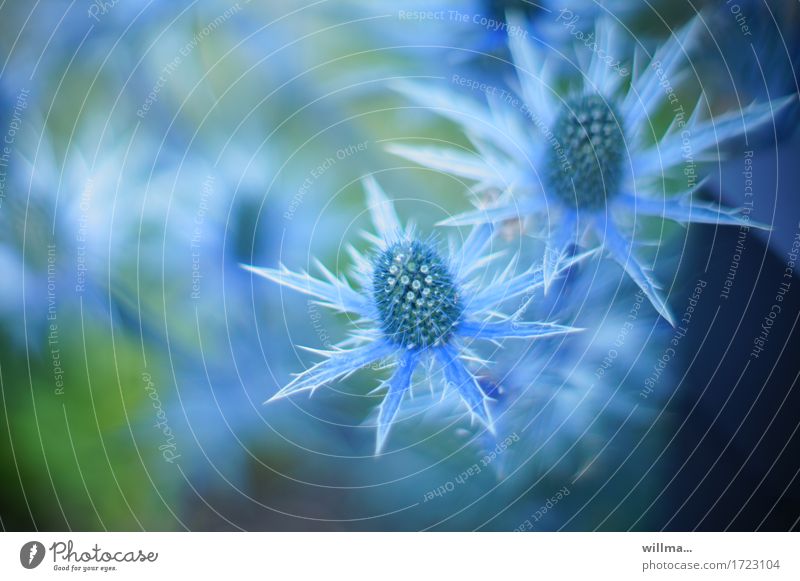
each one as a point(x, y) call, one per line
point(604, 78)
point(334, 293)
point(513, 210)
point(473, 249)
point(448, 160)
point(530, 67)
point(705, 136)
point(398, 385)
point(450, 104)
point(509, 287)
point(459, 377)
point(647, 92)
point(339, 364)
point(561, 236)
point(513, 127)
point(686, 211)
point(384, 217)
point(621, 250)
point(512, 329)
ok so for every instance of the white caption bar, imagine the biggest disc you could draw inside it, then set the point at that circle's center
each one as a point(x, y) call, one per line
point(355, 556)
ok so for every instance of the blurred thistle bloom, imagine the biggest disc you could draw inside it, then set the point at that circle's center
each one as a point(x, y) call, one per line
point(42, 246)
point(415, 306)
point(590, 160)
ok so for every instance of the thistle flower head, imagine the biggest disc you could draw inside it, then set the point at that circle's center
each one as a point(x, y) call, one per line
point(416, 304)
point(590, 161)
point(587, 163)
point(416, 295)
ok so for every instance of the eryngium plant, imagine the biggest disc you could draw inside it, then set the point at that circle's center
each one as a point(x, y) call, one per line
point(588, 159)
point(415, 305)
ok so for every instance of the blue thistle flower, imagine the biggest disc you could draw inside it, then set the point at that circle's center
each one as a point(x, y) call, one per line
point(590, 161)
point(415, 305)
